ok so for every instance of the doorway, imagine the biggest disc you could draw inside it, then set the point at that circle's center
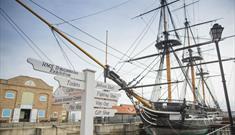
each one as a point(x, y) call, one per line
point(25, 115)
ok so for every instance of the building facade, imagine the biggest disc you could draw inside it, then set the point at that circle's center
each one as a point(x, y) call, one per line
point(58, 113)
point(25, 99)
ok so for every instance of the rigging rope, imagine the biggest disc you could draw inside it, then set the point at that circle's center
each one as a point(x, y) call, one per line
point(95, 13)
point(24, 36)
point(103, 43)
point(76, 53)
point(63, 52)
point(79, 29)
point(172, 22)
point(140, 65)
point(137, 82)
point(159, 76)
point(141, 73)
point(173, 89)
point(183, 71)
point(140, 37)
point(89, 44)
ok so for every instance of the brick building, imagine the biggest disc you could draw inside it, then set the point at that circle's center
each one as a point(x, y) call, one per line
point(25, 99)
point(58, 113)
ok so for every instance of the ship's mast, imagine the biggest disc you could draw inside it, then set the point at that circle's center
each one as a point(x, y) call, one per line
point(191, 59)
point(167, 44)
point(168, 60)
point(202, 73)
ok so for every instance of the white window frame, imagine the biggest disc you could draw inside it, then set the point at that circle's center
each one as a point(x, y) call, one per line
point(43, 112)
point(43, 98)
point(9, 92)
point(6, 110)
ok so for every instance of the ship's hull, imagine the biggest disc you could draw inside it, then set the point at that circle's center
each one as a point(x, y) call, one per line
point(170, 131)
point(168, 122)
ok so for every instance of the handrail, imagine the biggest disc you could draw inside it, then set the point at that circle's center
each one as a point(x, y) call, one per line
point(218, 129)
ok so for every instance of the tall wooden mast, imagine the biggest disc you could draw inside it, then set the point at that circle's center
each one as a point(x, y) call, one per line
point(190, 59)
point(167, 44)
point(168, 60)
point(202, 73)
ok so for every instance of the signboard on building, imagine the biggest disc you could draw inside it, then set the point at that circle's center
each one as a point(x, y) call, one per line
point(54, 69)
point(70, 83)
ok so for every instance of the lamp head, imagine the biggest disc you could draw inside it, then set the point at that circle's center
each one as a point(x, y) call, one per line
point(216, 32)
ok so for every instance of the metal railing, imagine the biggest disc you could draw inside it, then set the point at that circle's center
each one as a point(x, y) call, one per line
point(225, 130)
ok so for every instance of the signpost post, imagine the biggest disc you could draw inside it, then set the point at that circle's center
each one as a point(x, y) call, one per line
point(87, 124)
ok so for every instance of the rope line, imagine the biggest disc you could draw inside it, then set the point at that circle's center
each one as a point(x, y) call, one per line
point(79, 29)
point(63, 52)
point(137, 41)
point(95, 13)
point(24, 36)
point(76, 53)
point(140, 65)
point(103, 43)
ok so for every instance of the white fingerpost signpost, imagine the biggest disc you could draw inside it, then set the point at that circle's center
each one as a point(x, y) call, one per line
point(80, 88)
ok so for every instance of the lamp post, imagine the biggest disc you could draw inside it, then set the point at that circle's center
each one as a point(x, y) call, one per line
point(216, 32)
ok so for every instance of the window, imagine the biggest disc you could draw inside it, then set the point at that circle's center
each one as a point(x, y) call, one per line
point(41, 113)
point(10, 95)
point(6, 113)
point(43, 98)
point(27, 98)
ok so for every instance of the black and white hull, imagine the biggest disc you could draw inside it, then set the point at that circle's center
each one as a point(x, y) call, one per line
point(169, 122)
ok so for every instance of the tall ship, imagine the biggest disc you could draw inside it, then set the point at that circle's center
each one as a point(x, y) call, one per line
point(182, 115)
point(164, 113)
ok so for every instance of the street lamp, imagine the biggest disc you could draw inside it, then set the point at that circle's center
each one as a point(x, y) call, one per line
point(216, 32)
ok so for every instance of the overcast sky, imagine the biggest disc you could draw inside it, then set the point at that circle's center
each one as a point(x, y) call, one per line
point(96, 17)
